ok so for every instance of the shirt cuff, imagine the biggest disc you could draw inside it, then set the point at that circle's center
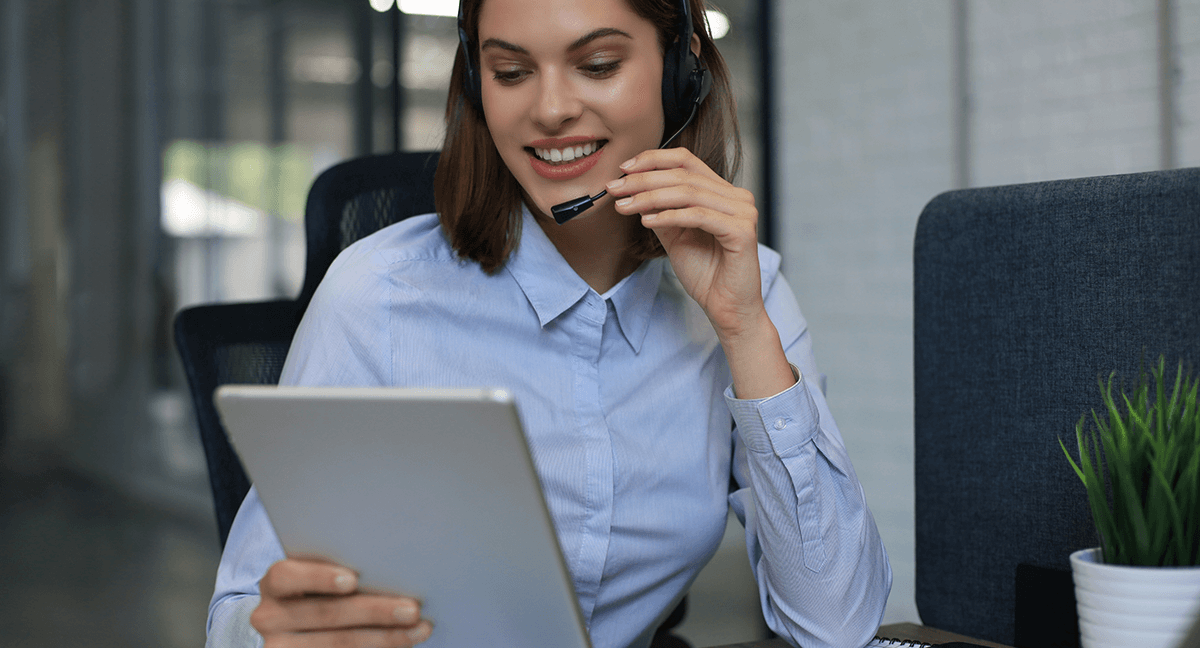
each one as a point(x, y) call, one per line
point(778, 424)
point(231, 627)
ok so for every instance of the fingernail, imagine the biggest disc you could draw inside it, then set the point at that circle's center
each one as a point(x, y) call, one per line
point(344, 582)
point(649, 217)
point(420, 633)
point(624, 202)
point(406, 612)
point(613, 185)
point(628, 163)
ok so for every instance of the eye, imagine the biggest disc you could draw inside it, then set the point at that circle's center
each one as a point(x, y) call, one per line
point(509, 76)
point(600, 69)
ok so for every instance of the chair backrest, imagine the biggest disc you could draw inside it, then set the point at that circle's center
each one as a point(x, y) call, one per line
point(1023, 297)
point(230, 343)
point(247, 343)
point(359, 197)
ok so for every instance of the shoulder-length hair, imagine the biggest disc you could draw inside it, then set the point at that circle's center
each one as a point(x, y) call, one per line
point(477, 198)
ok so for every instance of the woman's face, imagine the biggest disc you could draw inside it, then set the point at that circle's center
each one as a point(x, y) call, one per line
point(571, 89)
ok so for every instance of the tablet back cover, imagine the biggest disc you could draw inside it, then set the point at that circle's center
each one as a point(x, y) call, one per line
point(425, 492)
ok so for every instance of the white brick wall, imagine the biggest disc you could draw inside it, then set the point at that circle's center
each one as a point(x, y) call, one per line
point(1187, 38)
point(865, 121)
point(866, 140)
point(1062, 89)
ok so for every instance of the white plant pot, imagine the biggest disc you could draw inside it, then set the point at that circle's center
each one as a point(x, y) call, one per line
point(1133, 607)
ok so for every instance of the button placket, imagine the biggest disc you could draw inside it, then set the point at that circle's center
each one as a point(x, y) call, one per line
point(596, 444)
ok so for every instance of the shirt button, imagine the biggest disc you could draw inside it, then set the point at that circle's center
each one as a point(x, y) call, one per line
point(780, 424)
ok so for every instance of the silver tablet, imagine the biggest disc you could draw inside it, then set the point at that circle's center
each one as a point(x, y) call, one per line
point(425, 492)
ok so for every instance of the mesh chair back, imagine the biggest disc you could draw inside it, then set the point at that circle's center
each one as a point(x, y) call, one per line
point(1024, 296)
point(247, 343)
point(230, 344)
point(359, 197)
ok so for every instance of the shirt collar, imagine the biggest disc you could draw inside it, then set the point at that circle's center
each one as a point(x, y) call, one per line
point(634, 301)
point(552, 287)
point(549, 283)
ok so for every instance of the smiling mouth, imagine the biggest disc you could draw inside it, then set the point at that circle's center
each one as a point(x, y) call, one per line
point(568, 154)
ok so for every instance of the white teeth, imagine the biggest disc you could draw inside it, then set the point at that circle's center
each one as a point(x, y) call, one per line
point(567, 154)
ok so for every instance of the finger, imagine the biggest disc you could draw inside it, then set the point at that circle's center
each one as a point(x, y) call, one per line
point(667, 159)
point(355, 638)
point(722, 229)
point(297, 577)
point(336, 612)
point(658, 179)
point(681, 197)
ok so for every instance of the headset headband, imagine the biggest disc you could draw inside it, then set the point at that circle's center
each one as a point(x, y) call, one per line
point(685, 83)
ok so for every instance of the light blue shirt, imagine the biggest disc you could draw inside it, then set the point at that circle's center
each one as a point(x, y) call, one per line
point(632, 425)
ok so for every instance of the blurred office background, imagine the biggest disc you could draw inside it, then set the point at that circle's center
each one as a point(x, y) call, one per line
point(155, 154)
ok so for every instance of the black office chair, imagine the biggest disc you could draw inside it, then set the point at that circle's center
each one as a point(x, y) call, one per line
point(359, 197)
point(247, 343)
point(230, 344)
point(1023, 296)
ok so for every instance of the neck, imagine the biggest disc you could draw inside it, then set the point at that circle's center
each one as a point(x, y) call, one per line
point(595, 244)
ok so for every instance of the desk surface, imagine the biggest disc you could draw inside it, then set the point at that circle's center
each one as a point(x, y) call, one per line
point(892, 630)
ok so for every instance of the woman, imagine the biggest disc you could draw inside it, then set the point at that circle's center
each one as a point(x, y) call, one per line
point(653, 346)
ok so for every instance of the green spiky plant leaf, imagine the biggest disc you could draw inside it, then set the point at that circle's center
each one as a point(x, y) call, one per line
point(1140, 465)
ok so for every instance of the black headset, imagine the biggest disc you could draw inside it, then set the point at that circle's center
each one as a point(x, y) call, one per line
point(685, 83)
point(685, 80)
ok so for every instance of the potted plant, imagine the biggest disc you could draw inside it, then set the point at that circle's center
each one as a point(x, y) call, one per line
point(1140, 465)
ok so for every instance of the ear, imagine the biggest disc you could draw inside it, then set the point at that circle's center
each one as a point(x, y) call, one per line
point(696, 45)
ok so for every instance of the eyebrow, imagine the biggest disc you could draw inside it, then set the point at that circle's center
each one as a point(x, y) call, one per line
point(596, 34)
point(578, 43)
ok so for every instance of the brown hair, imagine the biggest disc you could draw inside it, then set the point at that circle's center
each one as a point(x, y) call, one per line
point(477, 197)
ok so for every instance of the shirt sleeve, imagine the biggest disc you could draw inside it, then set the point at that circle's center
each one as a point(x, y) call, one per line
point(337, 343)
point(251, 549)
point(822, 571)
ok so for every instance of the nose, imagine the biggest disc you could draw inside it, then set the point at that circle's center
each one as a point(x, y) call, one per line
point(557, 102)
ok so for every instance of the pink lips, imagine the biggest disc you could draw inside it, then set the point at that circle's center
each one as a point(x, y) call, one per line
point(570, 170)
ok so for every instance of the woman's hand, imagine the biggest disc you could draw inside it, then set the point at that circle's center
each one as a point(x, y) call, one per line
point(709, 229)
point(313, 603)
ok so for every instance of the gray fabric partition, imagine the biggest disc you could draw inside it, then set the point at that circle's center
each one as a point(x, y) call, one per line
point(1023, 296)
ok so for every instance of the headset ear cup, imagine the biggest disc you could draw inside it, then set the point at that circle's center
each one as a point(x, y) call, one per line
point(671, 88)
point(703, 82)
point(472, 86)
point(686, 82)
point(474, 91)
